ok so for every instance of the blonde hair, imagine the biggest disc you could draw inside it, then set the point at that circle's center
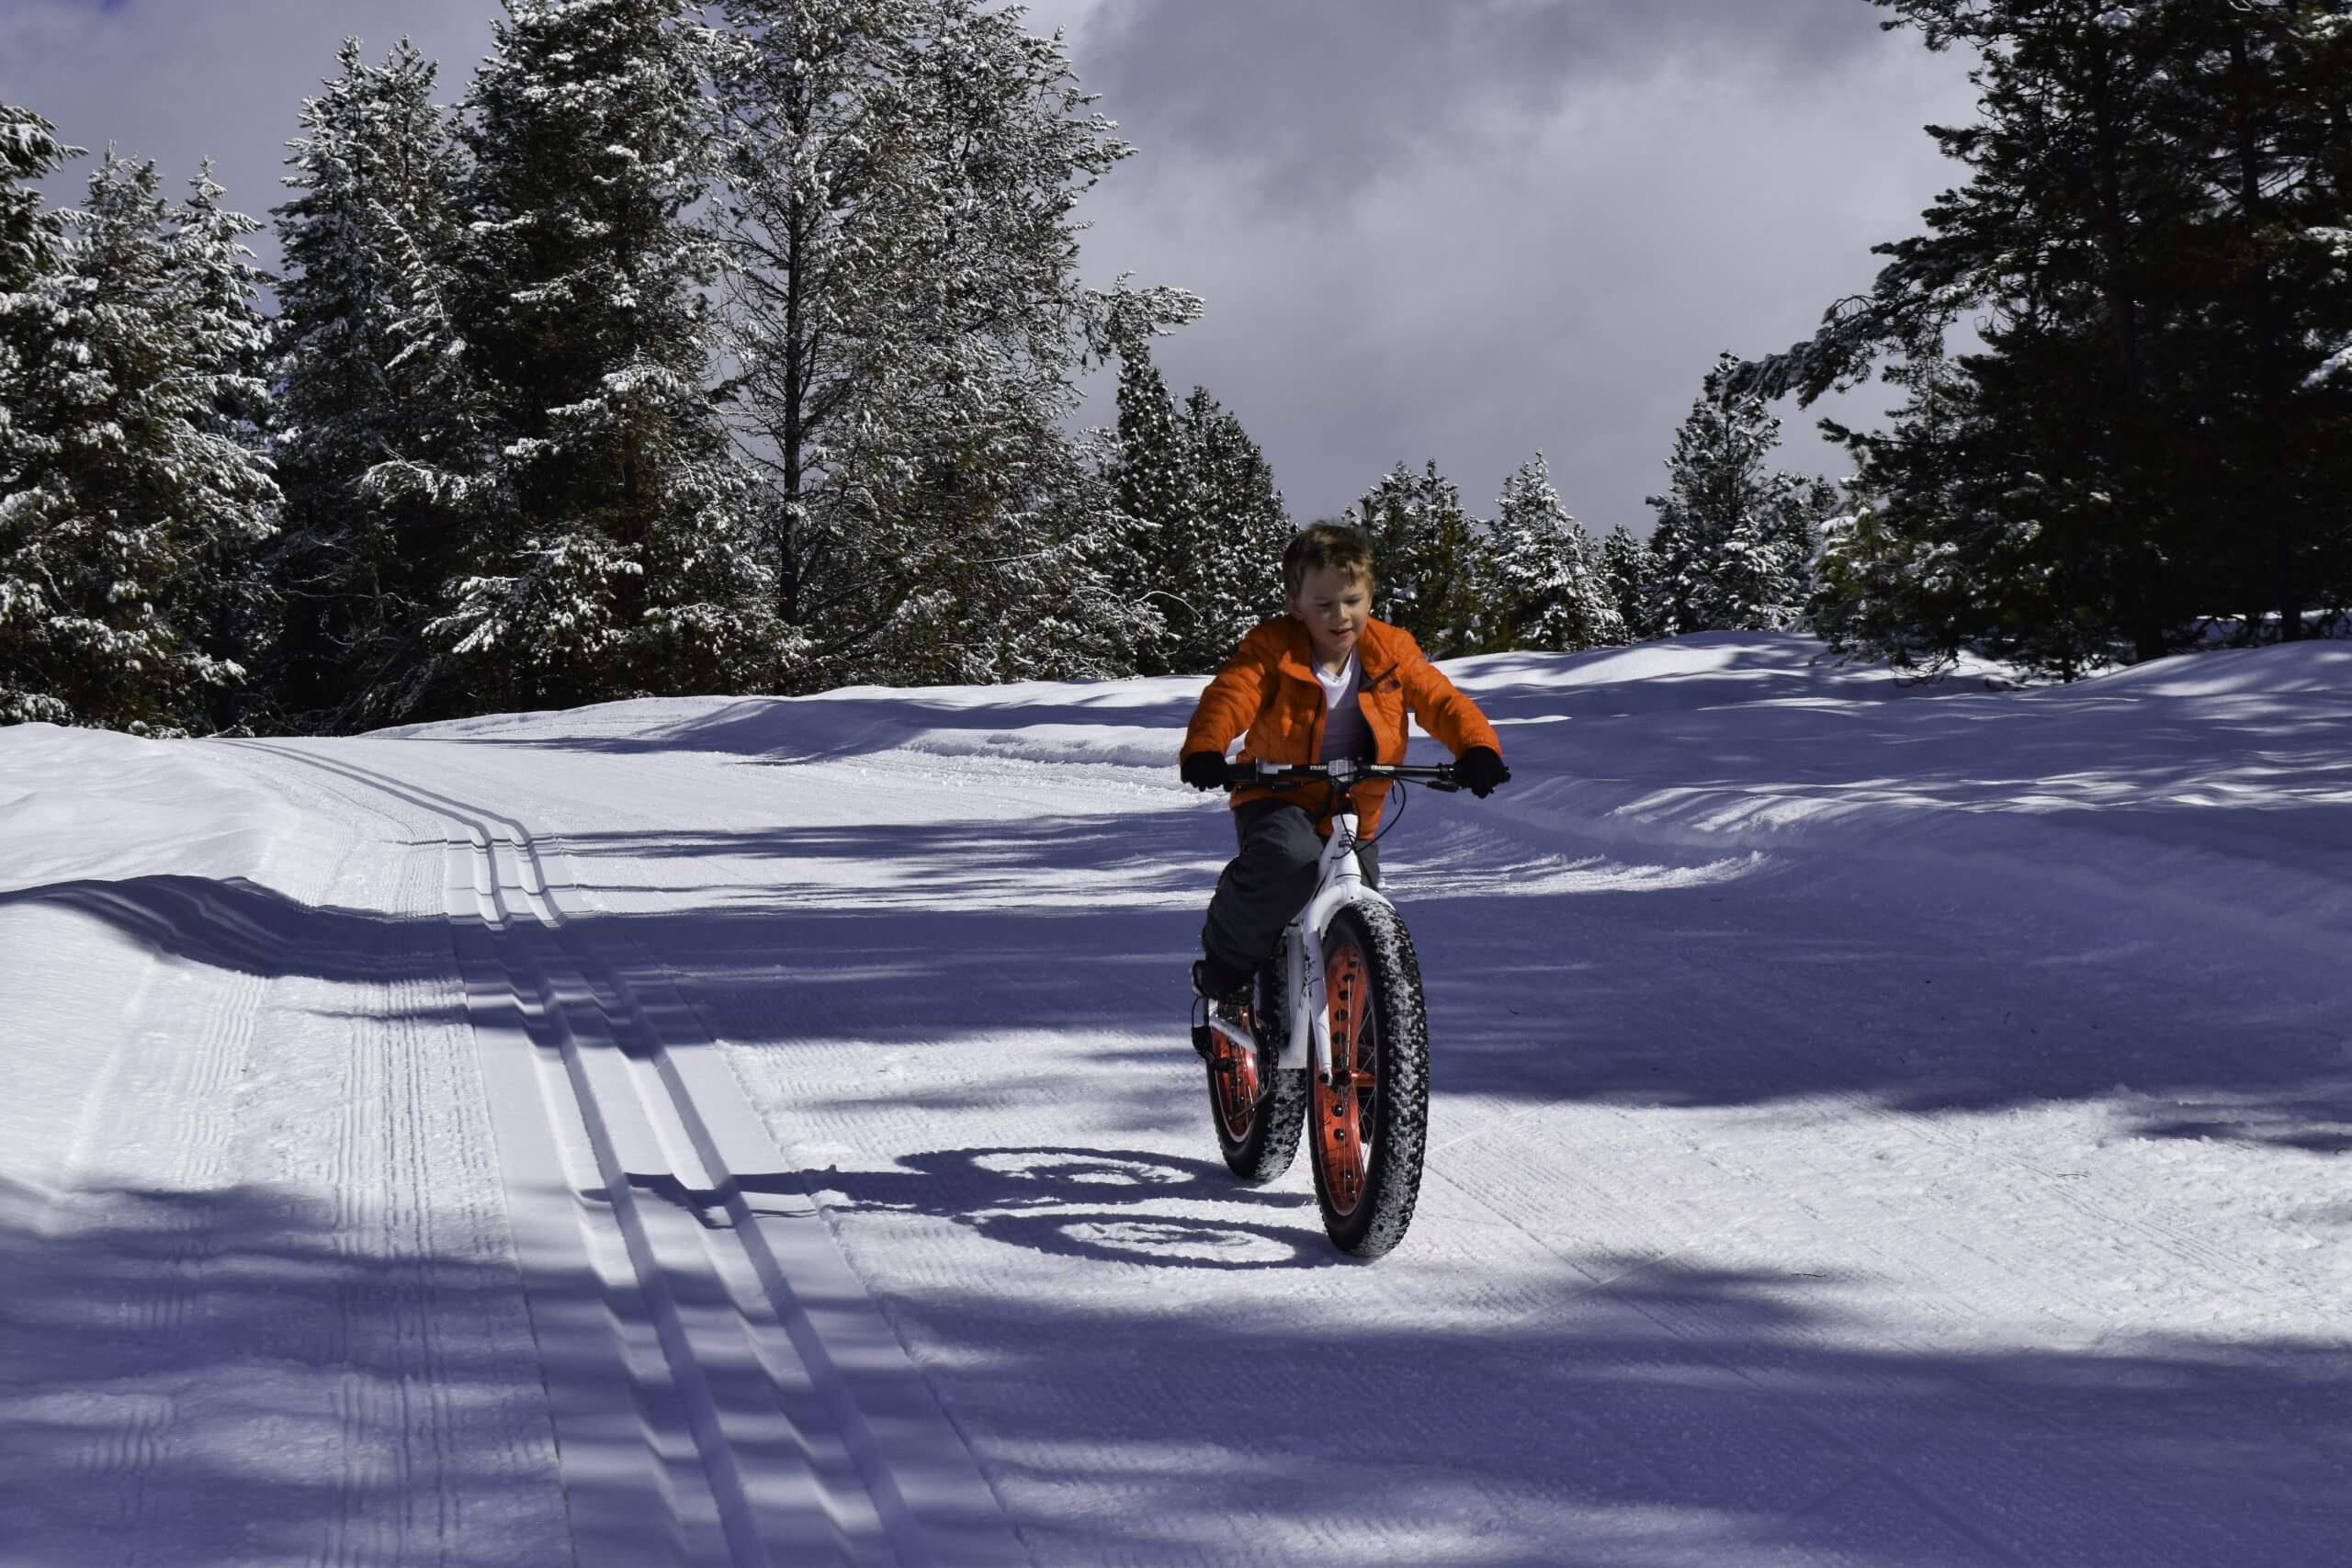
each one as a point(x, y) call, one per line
point(1319, 544)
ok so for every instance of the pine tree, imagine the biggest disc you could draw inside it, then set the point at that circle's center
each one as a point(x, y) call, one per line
point(619, 560)
point(137, 492)
point(382, 421)
point(905, 313)
point(1424, 547)
point(1625, 573)
point(2264, 87)
point(1232, 571)
point(2338, 243)
point(1543, 588)
point(1023, 584)
point(32, 284)
point(2148, 439)
point(1734, 544)
point(1150, 487)
point(222, 599)
point(1204, 526)
point(1893, 581)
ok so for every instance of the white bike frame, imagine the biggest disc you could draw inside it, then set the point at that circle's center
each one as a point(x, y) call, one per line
point(1338, 883)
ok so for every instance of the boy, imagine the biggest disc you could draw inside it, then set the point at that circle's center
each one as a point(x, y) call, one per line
point(1325, 680)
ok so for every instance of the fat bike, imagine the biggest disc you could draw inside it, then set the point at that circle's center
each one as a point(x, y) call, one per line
point(1332, 1039)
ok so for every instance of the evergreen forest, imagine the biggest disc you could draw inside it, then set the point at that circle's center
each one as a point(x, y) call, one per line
point(736, 348)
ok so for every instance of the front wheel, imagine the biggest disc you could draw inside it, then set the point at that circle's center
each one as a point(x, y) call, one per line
point(1368, 1123)
point(1257, 1107)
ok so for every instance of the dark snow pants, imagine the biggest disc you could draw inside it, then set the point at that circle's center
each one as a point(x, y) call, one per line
point(1266, 886)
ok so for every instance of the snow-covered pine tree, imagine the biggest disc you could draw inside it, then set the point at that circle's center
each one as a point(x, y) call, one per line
point(222, 600)
point(905, 313)
point(32, 282)
point(136, 483)
point(621, 560)
point(1149, 485)
point(1232, 575)
point(1626, 574)
point(1734, 545)
point(1022, 582)
point(1204, 526)
point(1425, 550)
point(1542, 587)
point(1902, 571)
point(380, 438)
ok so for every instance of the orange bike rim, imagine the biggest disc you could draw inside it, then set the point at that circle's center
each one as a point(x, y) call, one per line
point(1237, 1088)
point(1343, 1108)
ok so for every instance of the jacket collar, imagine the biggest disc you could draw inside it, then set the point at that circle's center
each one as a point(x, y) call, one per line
point(1375, 648)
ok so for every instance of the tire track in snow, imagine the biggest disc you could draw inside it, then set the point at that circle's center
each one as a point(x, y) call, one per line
point(722, 1389)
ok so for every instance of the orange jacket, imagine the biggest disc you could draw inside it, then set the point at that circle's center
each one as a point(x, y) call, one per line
point(1268, 693)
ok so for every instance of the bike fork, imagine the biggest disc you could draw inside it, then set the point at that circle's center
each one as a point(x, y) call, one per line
point(1310, 1021)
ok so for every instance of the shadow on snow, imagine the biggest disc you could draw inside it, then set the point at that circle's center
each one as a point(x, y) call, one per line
point(189, 1368)
point(1629, 987)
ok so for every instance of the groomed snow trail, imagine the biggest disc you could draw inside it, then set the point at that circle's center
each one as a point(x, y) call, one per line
point(1867, 1128)
point(716, 1377)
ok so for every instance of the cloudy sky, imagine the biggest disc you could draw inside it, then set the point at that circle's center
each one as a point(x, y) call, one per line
point(1460, 230)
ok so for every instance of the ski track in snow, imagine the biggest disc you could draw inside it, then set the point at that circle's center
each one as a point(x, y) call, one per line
point(749, 1132)
point(716, 1378)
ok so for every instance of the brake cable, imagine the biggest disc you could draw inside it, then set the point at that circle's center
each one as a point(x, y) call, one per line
point(1404, 791)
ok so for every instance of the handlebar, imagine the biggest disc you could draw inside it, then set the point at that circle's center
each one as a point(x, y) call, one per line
point(1342, 773)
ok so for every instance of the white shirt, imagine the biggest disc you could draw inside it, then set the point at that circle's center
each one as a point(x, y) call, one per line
point(1345, 731)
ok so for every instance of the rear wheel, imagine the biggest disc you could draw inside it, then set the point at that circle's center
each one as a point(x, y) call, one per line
point(1370, 1122)
point(1257, 1108)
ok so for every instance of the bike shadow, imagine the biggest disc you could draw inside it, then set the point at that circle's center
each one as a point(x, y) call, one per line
point(1107, 1206)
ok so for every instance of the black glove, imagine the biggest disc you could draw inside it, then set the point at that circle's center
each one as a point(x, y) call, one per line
point(1204, 770)
point(1480, 769)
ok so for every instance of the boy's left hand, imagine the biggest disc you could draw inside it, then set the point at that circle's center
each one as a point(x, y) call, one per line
point(1480, 769)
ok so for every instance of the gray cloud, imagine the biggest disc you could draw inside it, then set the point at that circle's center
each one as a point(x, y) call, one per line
point(1471, 230)
point(1309, 99)
point(180, 80)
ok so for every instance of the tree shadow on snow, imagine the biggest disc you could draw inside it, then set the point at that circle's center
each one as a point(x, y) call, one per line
point(1633, 984)
point(227, 1376)
point(234, 924)
point(1677, 1413)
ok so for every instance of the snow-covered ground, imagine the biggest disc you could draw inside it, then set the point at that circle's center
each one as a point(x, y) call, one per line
point(1869, 1126)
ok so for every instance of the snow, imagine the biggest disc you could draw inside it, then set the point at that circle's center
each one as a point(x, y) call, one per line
point(1871, 1124)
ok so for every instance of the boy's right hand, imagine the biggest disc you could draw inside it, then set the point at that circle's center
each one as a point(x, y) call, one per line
point(1204, 770)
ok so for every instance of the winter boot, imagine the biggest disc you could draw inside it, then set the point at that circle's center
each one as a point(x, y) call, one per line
point(1225, 994)
point(1217, 981)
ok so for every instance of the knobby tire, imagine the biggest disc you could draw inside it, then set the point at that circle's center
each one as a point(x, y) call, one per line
point(1258, 1136)
point(1380, 1025)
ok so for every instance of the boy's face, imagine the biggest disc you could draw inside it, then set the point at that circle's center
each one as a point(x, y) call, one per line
point(1333, 606)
